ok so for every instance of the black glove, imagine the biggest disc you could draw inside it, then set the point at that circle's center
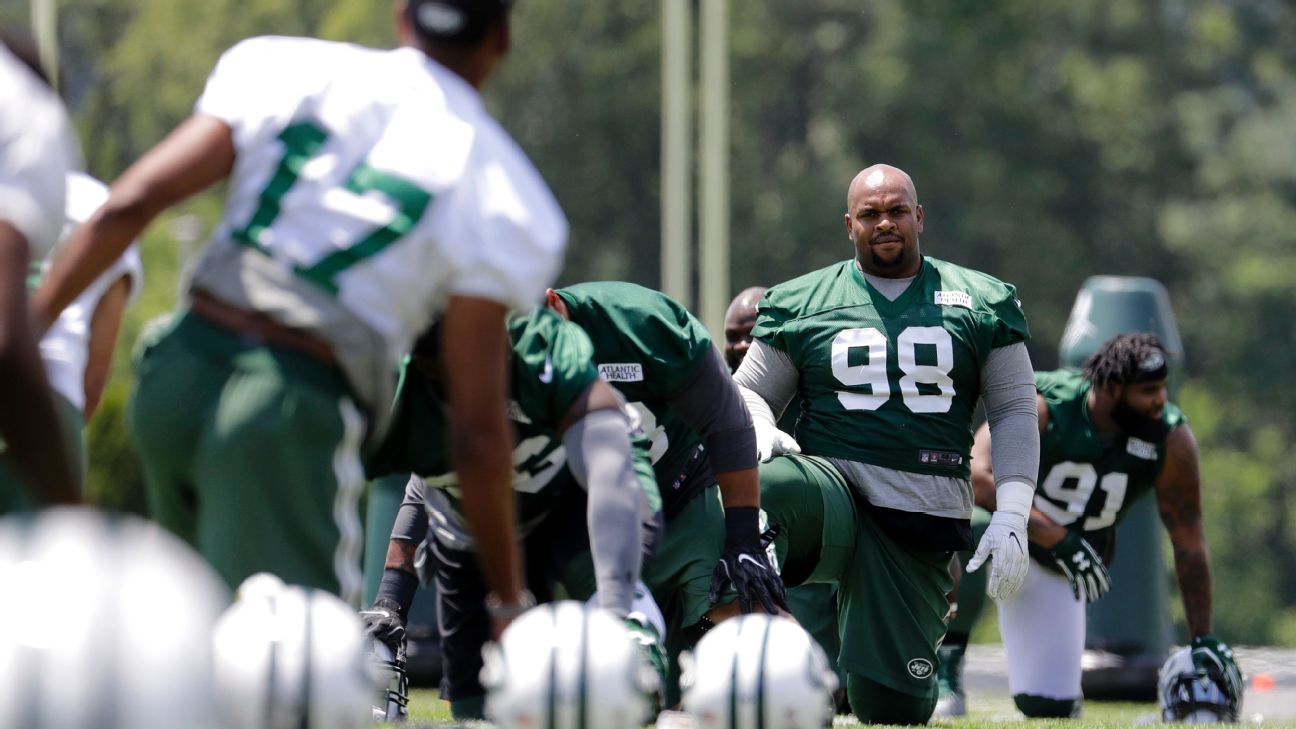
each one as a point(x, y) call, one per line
point(745, 564)
point(384, 622)
point(1082, 566)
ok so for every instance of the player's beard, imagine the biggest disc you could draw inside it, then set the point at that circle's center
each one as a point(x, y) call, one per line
point(1138, 425)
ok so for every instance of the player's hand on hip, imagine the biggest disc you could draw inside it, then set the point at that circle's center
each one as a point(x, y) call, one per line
point(770, 441)
point(1004, 541)
point(1082, 566)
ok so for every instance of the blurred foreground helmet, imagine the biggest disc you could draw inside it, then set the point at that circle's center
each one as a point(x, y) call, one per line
point(290, 657)
point(1194, 695)
point(105, 623)
point(391, 700)
point(755, 671)
point(565, 665)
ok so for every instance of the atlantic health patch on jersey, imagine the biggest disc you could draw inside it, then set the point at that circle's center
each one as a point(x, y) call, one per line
point(952, 298)
point(1141, 449)
point(621, 371)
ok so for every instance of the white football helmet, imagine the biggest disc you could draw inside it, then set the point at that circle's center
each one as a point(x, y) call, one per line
point(291, 657)
point(755, 671)
point(565, 665)
point(105, 623)
point(1193, 696)
point(391, 700)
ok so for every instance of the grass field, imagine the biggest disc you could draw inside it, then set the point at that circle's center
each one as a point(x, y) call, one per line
point(426, 708)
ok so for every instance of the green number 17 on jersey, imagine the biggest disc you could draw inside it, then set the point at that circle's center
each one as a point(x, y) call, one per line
point(302, 141)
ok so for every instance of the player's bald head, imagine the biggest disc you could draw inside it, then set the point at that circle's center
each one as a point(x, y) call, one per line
point(739, 320)
point(878, 178)
point(744, 303)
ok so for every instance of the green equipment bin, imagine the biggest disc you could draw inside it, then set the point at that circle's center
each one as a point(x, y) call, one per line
point(1129, 629)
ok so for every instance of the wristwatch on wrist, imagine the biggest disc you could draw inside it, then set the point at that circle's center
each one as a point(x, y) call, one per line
point(501, 610)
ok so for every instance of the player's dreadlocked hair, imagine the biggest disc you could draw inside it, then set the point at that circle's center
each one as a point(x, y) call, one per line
point(1126, 359)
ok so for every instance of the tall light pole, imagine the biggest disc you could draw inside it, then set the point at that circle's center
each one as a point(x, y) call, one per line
point(44, 20)
point(714, 180)
point(676, 169)
point(676, 160)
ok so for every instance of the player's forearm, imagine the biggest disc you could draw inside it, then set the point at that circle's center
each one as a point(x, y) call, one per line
point(599, 454)
point(739, 488)
point(1192, 568)
point(486, 495)
point(400, 556)
point(86, 254)
point(1043, 531)
point(194, 156)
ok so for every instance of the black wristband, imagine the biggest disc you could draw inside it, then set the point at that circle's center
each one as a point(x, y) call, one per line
point(398, 585)
point(742, 526)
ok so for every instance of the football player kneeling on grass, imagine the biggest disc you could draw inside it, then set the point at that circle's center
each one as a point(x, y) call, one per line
point(1108, 434)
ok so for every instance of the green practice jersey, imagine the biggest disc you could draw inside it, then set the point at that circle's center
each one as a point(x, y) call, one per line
point(649, 347)
point(551, 366)
point(891, 383)
point(1087, 482)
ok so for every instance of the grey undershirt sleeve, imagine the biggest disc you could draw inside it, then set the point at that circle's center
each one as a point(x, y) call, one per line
point(769, 373)
point(412, 521)
point(598, 453)
point(712, 407)
point(1008, 390)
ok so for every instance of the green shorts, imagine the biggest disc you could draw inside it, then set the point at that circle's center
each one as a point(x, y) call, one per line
point(14, 492)
point(815, 607)
point(252, 454)
point(891, 600)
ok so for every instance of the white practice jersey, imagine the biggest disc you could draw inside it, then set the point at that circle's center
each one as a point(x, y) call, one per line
point(36, 151)
point(64, 348)
point(369, 186)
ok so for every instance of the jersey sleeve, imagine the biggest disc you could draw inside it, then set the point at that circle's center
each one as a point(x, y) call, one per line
point(772, 317)
point(1007, 319)
point(36, 152)
point(678, 352)
point(257, 85)
point(553, 364)
point(502, 232)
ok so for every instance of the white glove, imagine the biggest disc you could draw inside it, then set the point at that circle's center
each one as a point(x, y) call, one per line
point(770, 441)
point(1004, 541)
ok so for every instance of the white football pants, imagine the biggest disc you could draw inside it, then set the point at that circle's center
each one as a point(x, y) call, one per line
point(1043, 629)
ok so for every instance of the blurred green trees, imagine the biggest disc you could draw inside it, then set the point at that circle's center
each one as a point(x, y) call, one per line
point(1050, 141)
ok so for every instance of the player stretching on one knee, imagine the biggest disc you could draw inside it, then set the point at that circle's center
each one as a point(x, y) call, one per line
point(1108, 435)
point(890, 353)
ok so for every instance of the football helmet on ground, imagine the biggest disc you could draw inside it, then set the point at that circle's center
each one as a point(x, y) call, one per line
point(1195, 694)
point(105, 623)
point(291, 657)
point(391, 702)
point(565, 665)
point(758, 670)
